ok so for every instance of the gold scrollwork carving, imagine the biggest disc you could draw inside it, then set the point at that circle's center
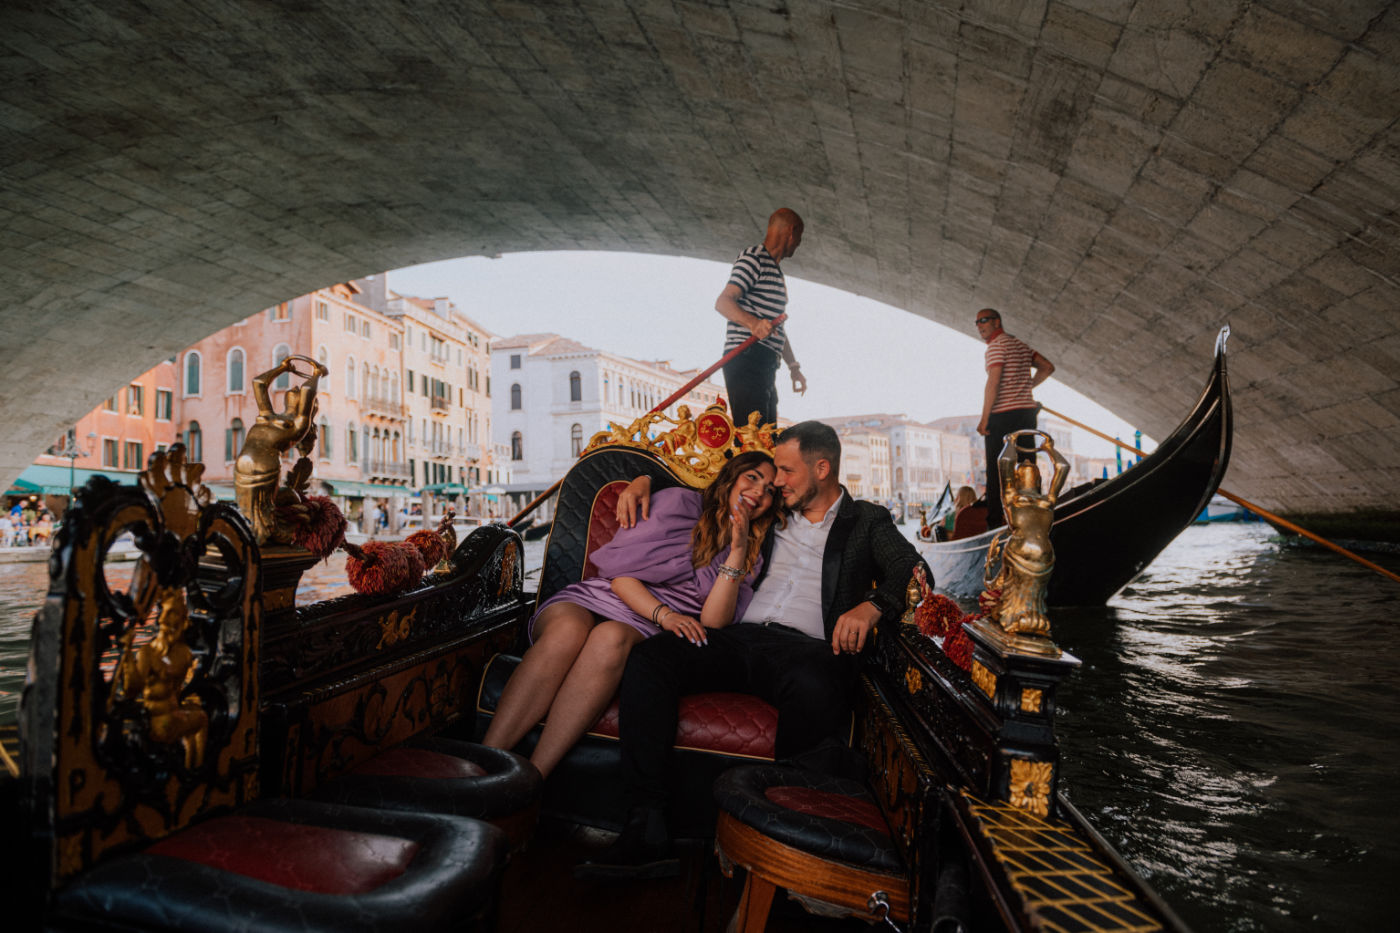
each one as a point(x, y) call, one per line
point(913, 680)
point(1031, 699)
point(157, 671)
point(984, 679)
point(695, 448)
point(393, 629)
point(1030, 785)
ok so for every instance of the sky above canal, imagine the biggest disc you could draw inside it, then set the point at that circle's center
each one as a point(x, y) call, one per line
point(859, 356)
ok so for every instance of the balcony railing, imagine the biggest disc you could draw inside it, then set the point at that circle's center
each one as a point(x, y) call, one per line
point(387, 468)
point(440, 403)
point(385, 407)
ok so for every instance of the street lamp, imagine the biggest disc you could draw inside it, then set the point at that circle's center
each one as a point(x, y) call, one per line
point(71, 452)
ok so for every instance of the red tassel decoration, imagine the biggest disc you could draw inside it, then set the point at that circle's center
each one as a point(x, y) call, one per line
point(380, 568)
point(937, 615)
point(958, 648)
point(316, 524)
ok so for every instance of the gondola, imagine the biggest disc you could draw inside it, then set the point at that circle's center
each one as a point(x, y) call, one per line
point(1107, 533)
point(355, 718)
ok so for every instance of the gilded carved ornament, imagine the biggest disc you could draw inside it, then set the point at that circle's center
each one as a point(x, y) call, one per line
point(696, 449)
point(1030, 785)
point(1015, 595)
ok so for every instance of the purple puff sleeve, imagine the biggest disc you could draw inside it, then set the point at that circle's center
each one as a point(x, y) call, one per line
point(656, 551)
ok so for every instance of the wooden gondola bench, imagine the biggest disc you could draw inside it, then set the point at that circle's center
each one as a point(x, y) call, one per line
point(715, 730)
point(141, 747)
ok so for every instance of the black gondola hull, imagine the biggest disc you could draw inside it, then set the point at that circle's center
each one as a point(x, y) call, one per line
point(1107, 535)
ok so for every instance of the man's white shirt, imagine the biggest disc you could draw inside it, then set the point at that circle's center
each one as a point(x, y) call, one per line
point(791, 592)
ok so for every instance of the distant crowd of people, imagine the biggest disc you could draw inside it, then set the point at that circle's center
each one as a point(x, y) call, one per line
point(27, 524)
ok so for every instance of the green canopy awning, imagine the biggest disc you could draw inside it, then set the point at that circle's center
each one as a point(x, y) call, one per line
point(446, 489)
point(42, 479)
point(356, 490)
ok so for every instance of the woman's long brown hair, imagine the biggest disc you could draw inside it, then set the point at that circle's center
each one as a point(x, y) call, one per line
point(712, 531)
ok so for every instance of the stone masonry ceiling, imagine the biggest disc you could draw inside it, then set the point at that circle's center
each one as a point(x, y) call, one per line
point(1119, 178)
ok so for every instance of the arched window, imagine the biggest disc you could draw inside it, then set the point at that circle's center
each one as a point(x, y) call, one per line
point(396, 452)
point(323, 356)
point(233, 440)
point(280, 353)
point(576, 439)
point(364, 382)
point(352, 444)
point(194, 443)
point(376, 389)
point(193, 364)
point(517, 447)
point(235, 370)
point(350, 378)
point(394, 388)
point(575, 387)
point(323, 438)
point(515, 398)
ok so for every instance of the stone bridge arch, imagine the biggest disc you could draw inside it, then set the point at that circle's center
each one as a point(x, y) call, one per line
point(1122, 177)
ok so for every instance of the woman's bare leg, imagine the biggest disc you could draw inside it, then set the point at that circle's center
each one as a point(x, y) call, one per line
point(585, 692)
point(560, 634)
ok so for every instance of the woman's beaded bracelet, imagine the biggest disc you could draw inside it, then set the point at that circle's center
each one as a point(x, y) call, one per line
point(733, 573)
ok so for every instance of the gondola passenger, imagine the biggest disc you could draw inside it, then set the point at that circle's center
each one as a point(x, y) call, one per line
point(686, 570)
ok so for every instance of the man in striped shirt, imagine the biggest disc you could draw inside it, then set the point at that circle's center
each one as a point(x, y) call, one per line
point(1007, 403)
point(755, 295)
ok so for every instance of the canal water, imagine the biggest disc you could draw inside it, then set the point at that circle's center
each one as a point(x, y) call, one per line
point(1232, 730)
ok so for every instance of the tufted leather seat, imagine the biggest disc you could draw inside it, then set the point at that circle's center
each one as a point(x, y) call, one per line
point(822, 838)
point(296, 866)
point(437, 775)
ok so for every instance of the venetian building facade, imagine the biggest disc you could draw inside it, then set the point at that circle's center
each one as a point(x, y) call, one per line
point(553, 394)
point(360, 426)
point(916, 459)
point(117, 437)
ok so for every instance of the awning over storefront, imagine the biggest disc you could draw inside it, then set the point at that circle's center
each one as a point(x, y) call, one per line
point(357, 490)
point(446, 489)
point(41, 479)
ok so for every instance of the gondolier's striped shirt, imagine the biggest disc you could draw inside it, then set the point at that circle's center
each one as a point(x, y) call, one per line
point(763, 293)
point(1014, 389)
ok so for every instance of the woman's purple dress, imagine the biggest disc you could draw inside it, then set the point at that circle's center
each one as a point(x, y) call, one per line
point(656, 552)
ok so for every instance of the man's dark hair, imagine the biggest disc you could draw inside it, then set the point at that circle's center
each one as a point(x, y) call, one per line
point(816, 441)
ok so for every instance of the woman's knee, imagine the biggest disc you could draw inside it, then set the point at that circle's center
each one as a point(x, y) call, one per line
point(613, 639)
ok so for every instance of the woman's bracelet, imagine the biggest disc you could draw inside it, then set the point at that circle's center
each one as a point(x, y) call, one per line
point(656, 615)
point(733, 573)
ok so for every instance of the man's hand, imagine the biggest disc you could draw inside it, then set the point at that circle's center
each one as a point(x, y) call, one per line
point(799, 382)
point(637, 494)
point(852, 629)
point(761, 327)
point(982, 427)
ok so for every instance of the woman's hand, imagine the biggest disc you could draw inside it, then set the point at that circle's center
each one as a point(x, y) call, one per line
point(740, 517)
point(684, 626)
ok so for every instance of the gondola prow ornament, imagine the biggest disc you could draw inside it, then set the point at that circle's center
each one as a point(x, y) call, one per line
point(259, 464)
point(1015, 593)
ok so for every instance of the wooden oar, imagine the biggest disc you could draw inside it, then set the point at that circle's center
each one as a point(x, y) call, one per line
point(1257, 510)
point(661, 406)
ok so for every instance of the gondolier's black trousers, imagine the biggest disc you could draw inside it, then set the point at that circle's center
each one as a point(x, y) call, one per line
point(751, 381)
point(809, 686)
point(1000, 424)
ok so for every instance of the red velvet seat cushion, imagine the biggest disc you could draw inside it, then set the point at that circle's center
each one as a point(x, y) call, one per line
point(726, 723)
point(402, 761)
point(292, 855)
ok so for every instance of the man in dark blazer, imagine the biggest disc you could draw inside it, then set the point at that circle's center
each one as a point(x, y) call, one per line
point(836, 568)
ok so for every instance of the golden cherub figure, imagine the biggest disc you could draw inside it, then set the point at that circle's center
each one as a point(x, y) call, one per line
point(159, 670)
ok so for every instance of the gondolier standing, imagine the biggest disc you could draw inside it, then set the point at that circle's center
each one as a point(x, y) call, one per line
point(756, 294)
point(1007, 403)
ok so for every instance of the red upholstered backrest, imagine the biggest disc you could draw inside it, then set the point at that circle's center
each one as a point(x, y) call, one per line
point(602, 523)
point(292, 855)
point(970, 521)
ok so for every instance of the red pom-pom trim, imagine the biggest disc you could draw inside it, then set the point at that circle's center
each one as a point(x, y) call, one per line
point(379, 568)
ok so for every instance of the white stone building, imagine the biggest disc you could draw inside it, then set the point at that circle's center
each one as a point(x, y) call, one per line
point(552, 394)
point(918, 459)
